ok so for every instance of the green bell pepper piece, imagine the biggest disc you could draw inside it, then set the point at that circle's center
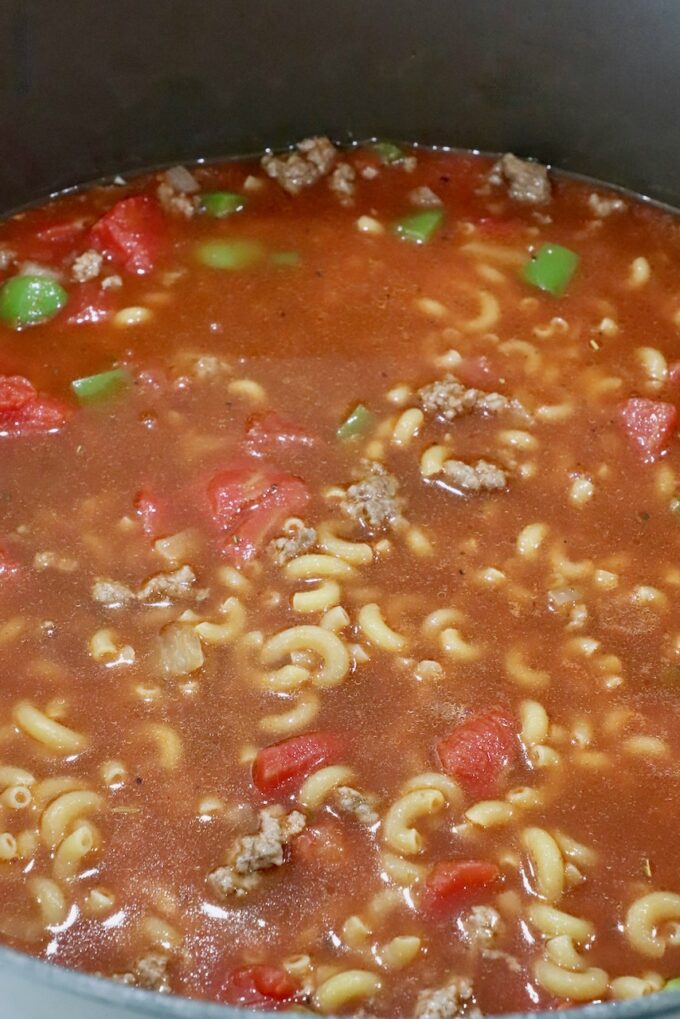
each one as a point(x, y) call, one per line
point(93, 388)
point(551, 268)
point(29, 300)
point(419, 227)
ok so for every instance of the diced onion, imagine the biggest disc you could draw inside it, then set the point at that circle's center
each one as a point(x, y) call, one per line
point(180, 650)
point(180, 179)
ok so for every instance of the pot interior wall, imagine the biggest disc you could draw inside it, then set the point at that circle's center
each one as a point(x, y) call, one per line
point(92, 88)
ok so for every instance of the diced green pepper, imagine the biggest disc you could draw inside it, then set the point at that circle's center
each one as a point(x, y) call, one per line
point(93, 388)
point(419, 227)
point(285, 258)
point(357, 422)
point(29, 300)
point(235, 254)
point(387, 151)
point(551, 268)
point(221, 203)
point(672, 985)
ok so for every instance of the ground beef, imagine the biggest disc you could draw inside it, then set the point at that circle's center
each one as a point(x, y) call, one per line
point(479, 477)
point(342, 183)
point(481, 927)
point(54, 561)
point(300, 169)
point(603, 206)
point(297, 540)
point(176, 202)
point(354, 802)
point(424, 197)
point(448, 399)
point(159, 588)
point(374, 501)
point(177, 192)
point(111, 593)
point(526, 181)
point(87, 266)
point(168, 586)
point(150, 973)
point(449, 1002)
point(251, 854)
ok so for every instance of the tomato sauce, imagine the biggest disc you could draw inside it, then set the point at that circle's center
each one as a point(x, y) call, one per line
point(339, 629)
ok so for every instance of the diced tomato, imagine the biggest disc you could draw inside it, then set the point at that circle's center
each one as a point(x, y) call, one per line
point(256, 987)
point(250, 504)
point(648, 425)
point(324, 844)
point(9, 567)
point(89, 303)
point(452, 882)
point(478, 751)
point(267, 433)
point(148, 509)
point(477, 372)
point(282, 765)
point(132, 233)
point(25, 412)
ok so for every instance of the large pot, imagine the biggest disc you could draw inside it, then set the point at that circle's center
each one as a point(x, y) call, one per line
point(89, 89)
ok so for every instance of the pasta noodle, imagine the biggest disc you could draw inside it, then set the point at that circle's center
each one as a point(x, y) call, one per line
point(646, 919)
point(546, 863)
point(50, 734)
point(398, 828)
point(378, 632)
point(326, 644)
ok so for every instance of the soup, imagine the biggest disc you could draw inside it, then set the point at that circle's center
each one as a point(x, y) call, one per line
point(341, 656)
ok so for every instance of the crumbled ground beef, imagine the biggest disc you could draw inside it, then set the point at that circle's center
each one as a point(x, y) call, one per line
point(176, 202)
point(424, 197)
point(374, 501)
point(302, 168)
point(603, 206)
point(342, 183)
point(479, 477)
point(54, 561)
point(481, 926)
point(168, 586)
point(150, 973)
point(159, 588)
point(526, 181)
point(449, 1002)
point(111, 593)
point(87, 266)
point(359, 804)
point(297, 540)
point(448, 399)
point(251, 854)
point(177, 192)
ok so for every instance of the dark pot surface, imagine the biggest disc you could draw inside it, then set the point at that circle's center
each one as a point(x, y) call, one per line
point(89, 89)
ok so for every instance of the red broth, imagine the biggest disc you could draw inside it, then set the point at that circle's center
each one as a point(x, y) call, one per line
point(339, 637)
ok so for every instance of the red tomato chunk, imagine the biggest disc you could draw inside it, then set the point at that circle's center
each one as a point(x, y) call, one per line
point(648, 425)
point(24, 412)
point(451, 882)
point(479, 750)
point(267, 433)
point(89, 303)
point(283, 765)
point(131, 233)
point(256, 987)
point(250, 504)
